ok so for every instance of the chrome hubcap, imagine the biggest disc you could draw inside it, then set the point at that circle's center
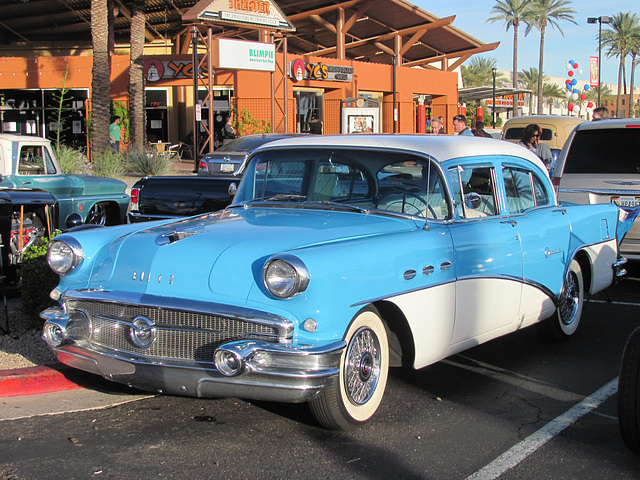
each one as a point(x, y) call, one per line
point(569, 299)
point(362, 366)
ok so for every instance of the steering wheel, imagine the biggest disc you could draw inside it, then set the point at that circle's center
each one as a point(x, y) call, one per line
point(404, 206)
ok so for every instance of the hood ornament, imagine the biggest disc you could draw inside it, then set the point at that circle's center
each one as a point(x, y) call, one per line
point(175, 235)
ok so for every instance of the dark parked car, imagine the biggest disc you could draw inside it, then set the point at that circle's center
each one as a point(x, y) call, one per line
point(228, 159)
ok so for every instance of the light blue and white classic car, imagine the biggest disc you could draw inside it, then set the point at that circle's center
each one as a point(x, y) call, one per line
point(341, 256)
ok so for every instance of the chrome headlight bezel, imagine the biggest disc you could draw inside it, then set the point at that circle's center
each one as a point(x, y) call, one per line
point(285, 276)
point(64, 255)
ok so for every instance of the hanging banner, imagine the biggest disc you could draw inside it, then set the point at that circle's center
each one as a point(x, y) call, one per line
point(593, 71)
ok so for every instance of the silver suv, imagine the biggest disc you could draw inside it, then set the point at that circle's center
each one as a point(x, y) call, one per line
point(600, 163)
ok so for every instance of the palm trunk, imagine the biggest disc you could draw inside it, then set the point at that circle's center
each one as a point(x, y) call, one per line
point(619, 86)
point(101, 77)
point(514, 75)
point(632, 112)
point(136, 76)
point(540, 70)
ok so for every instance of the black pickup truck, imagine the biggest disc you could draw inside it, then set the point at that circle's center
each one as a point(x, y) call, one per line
point(158, 198)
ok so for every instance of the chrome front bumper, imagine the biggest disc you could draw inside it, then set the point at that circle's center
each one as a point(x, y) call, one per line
point(267, 371)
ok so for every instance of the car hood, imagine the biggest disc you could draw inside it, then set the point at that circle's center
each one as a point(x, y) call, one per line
point(221, 255)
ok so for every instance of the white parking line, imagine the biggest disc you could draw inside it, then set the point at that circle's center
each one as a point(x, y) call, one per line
point(611, 302)
point(529, 445)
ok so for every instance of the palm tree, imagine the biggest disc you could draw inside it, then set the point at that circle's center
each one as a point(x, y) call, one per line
point(512, 12)
point(542, 14)
point(552, 91)
point(101, 77)
point(479, 72)
point(618, 40)
point(529, 80)
point(136, 76)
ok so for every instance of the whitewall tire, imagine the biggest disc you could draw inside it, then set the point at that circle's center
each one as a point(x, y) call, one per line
point(356, 393)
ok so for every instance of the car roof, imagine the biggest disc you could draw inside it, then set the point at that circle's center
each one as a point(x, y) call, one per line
point(10, 137)
point(439, 147)
point(605, 123)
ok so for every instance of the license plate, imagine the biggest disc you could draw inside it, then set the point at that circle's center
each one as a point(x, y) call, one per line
point(626, 201)
point(227, 167)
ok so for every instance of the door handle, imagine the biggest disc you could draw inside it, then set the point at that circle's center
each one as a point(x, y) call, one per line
point(513, 223)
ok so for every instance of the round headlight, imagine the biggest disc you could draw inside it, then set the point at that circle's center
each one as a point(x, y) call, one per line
point(63, 257)
point(285, 276)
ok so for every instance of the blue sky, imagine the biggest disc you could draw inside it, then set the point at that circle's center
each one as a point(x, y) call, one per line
point(578, 44)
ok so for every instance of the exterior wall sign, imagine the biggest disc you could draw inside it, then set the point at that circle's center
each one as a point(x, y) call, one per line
point(241, 55)
point(156, 70)
point(245, 13)
point(300, 70)
point(360, 120)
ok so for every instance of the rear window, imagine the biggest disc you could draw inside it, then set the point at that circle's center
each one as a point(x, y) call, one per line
point(604, 151)
point(515, 133)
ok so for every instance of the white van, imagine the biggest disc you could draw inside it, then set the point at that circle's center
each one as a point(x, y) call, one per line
point(600, 163)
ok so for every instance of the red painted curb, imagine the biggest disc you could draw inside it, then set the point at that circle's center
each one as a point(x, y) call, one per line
point(34, 380)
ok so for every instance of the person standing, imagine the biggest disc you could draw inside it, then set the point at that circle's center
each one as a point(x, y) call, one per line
point(460, 126)
point(480, 132)
point(228, 132)
point(436, 126)
point(114, 134)
point(530, 140)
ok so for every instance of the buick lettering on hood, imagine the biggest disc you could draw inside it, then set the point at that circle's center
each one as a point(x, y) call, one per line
point(339, 258)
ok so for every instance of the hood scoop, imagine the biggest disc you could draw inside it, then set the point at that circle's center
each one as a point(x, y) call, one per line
point(175, 236)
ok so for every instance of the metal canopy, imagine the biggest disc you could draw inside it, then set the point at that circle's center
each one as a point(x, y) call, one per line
point(363, 30)
point(469, 94)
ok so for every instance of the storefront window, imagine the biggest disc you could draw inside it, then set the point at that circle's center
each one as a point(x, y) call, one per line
point(39, 113)
point(157, 115)
point(309, 115)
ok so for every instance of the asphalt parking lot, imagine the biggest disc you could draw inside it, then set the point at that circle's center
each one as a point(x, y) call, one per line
point(513, 408)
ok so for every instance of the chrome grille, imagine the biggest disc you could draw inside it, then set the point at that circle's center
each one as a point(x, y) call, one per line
point(180, 335)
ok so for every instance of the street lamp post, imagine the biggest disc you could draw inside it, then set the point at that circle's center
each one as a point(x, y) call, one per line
point(493, 113)
point(600, 21)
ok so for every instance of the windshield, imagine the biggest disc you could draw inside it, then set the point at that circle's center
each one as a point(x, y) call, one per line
point(609, 150)
point(379, 181)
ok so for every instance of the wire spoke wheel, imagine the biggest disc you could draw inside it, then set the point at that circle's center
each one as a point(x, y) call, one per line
point(355, 394)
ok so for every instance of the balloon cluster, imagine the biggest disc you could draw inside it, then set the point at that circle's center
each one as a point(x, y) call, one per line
point(573, 91)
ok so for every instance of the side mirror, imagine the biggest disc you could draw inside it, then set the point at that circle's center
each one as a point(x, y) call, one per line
point(73, 220)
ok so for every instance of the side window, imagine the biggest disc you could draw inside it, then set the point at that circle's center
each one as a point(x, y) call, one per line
point(31, 161)
point(474, 188)
point(524, 190)
point(541, 194)
point(48, 162)
point(413, 188)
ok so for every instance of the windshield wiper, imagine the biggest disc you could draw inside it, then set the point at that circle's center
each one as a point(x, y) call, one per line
point(286, 197)
point(341, 206)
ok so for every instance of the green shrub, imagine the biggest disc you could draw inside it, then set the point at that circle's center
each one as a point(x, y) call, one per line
point(109, 164)
point(37, 281)
point(149, 164)
point(72, 160)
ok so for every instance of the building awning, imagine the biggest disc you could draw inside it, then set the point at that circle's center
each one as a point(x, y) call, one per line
point(470, 94)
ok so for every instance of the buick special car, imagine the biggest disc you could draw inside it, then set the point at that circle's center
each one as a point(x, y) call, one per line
point(29, 162)
point(340, 257)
